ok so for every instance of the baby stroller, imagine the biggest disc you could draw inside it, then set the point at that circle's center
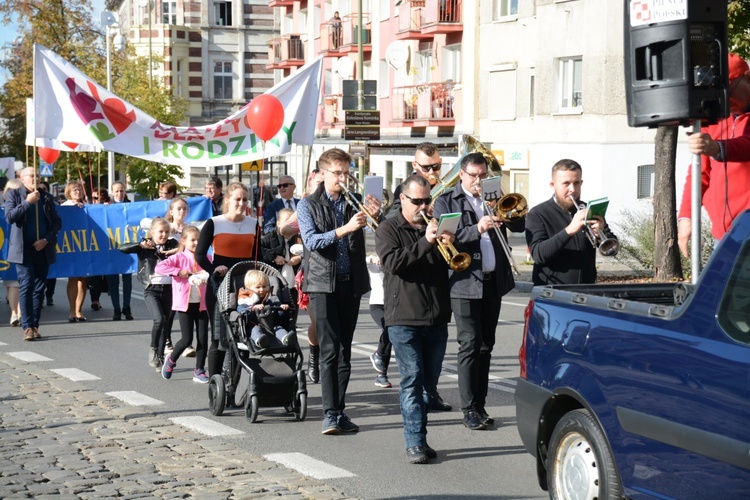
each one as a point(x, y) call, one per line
point(255, 377)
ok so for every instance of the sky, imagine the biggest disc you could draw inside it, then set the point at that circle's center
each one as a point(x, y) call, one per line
point(9, 32)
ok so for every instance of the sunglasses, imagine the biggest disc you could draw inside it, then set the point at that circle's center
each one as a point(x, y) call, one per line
point(419, 201)
point(434, 167)
point(286, 184)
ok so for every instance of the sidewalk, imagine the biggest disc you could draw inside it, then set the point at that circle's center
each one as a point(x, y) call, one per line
point(59, 438)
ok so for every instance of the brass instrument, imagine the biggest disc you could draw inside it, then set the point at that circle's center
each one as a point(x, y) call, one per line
point(387, 195)
point(467, 144)
point(608, 247)
point(458, 261)
point(372, 223)
point(507, 213)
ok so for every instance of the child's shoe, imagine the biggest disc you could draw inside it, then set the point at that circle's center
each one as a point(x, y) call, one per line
point(289, 339)
point(200, 376)
point(166, 369)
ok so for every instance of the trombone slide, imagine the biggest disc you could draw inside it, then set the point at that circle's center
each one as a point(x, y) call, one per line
point(357, 205)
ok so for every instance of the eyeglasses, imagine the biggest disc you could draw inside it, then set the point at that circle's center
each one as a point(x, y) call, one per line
point(433, 166)
point(338, 173)
point(476, 176)
point(419, 201)
point(286, 184)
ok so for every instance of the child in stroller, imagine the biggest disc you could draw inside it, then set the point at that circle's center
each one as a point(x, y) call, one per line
point(264, 311)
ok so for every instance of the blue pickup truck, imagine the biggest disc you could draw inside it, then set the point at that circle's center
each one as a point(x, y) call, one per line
point(642, 390)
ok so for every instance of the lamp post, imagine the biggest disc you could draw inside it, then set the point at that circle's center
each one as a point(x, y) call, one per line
point(109, 20)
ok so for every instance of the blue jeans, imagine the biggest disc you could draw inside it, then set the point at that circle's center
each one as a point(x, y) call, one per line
point(419, 353)
point(32, 280)
point(113, 280)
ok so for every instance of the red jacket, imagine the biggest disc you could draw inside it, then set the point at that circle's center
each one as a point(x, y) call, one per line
point(726, 193)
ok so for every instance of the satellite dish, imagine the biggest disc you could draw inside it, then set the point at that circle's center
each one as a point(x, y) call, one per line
point(344, 67)
point(108, 18)
point(397, 54)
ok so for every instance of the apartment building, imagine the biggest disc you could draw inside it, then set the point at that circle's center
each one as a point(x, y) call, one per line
point(214, 54)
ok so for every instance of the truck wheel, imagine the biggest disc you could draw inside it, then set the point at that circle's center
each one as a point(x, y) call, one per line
point(580, 464)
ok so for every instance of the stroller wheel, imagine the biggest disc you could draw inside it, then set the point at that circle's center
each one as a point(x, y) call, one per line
point(251, 408)
point(301, 411)
point(216, 395)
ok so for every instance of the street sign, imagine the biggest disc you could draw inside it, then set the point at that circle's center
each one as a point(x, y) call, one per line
point(45, 169)
point(358, 148)
point(253, 166)
point(362, 117)
point(362, 133)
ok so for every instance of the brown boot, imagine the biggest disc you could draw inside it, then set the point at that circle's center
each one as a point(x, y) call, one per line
point(28, 334)
point(36, 333)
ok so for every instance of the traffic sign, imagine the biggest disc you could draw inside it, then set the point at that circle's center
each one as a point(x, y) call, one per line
point(360, 133)
point(253, 166)
point(45, 169)
point(362, 117)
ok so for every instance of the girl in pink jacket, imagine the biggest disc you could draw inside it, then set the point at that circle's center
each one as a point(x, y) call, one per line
point(189, 301)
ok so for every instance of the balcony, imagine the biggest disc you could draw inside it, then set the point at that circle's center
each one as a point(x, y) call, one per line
point(285, 52)
point(281, 3)
point(420, 19)
point(342, 37)
point(430, 104)
point(333, 114)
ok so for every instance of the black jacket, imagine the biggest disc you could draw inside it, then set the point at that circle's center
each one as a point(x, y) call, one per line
point(468, 284)
point(148, 258)
point(416, 277)
point(273, 244)
point(320, 266)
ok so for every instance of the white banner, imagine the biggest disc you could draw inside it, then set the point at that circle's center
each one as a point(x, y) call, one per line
point(71, 112)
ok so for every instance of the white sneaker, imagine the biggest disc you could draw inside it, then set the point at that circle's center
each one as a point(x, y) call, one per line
point(189, 352)
point(14, 320)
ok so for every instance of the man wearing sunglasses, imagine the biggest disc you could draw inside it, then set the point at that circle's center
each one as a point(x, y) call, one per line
point(286, 199)
point(476, 292)
point(427, 163)
point(417, 308)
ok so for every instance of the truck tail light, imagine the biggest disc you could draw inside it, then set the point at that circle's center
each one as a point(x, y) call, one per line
point(522, 350)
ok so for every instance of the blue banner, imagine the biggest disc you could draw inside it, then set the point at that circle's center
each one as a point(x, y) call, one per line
point(89, 242)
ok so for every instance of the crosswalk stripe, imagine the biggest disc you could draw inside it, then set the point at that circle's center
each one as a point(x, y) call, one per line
point(75, 374)
point(206, 426)
point(308, 466)
point(134, 398)
point(29, 356)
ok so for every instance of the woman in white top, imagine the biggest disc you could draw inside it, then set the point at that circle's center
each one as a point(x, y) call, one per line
point(75, 196)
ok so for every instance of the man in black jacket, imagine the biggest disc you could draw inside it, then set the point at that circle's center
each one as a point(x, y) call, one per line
point(555, 232)
point(336, 278)
point(417, 308)
point(476, 293)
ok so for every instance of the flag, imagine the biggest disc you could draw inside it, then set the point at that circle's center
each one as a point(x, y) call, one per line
point(71, 110)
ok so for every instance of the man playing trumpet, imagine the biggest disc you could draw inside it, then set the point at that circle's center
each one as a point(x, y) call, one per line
point(336, 278)
point(555, 232)
point(476, 292)
point(417, 308)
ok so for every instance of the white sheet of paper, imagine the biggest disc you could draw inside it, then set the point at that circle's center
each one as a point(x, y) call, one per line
point(448, 223)
point(491, 188)
point(374, 187)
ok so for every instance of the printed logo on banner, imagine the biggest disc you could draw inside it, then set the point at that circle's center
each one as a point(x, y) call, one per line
point(656, 11)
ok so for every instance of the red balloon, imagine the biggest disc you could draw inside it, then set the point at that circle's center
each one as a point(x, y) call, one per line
point(265, 116)
point(49, 155)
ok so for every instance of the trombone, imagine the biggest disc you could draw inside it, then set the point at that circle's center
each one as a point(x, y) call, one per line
point(505, 208)
point(458, 261)
point(357, 205)
point(608, 247)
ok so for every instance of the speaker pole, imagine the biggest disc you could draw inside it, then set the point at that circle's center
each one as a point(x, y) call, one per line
point(695, 208)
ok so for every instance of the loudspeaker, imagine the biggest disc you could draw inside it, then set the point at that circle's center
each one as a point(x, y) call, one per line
point(675, 61)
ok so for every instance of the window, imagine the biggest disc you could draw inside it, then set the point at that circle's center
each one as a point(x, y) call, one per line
point(504, 8)
point(422, 66)
point(316, 21)
point(450, 69)
point(223, 80)
point(223, 13)
point(502, 93)
point(385, 10)
point(169, 13)
point(570, 84)
point(645, 181)
point(734, 311)
point(180, 80)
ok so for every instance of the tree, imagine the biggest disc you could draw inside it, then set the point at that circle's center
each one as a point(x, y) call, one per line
point(739, 27)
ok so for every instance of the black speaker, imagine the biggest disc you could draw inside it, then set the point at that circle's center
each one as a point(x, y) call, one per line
point(675, 62)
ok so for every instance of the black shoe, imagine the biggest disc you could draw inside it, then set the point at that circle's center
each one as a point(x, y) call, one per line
point(117, 316)
point(127, 313)
point(96, 305)
point(473, 421)
point(486, 419)
point(416, 455)
point(438, 403)
point(429, 451)
point(313, 364)
point(50, 302)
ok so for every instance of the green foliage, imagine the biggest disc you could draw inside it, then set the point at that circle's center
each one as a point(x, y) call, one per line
point(145, 176)
point(739, 27)
point(636, 235)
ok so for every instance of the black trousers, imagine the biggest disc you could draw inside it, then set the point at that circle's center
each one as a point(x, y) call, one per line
point(193, 319)
point(335, 320)
point(158, 300)
point(476, 321)
point(377, 312)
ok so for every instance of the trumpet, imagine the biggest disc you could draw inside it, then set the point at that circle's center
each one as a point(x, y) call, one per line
point(372, 223)
point(507, 210)
point(608, 247)
point(458, 261)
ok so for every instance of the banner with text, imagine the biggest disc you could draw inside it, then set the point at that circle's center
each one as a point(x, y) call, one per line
point(72, 112)
point(89, 242)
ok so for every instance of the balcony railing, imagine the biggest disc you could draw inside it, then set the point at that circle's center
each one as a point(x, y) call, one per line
point(425, 102)
point(285, 52)
point(443, 16)
point(341, 37)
